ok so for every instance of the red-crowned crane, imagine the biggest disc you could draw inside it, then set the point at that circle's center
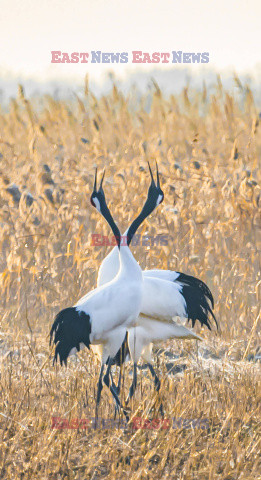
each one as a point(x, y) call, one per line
point(165, 294)
point(103, 315)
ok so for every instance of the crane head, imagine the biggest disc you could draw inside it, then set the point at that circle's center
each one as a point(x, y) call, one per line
point(97, 196)
point(155, 194)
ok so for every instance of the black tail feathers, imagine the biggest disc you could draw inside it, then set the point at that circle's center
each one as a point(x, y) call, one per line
point(191, 281)
point(70, 328)
point(198, 307)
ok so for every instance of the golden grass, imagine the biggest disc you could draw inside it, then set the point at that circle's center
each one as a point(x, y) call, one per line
point(208, 149)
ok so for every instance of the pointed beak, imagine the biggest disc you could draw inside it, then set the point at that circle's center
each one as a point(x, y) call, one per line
point(100, 188)
point(152, 179)
point(95, 180)
point(158, 180)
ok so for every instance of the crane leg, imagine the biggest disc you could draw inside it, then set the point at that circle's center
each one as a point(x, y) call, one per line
point(117, 389)
point(155, 376)
point(111, 387)
point(156, 383)
point(134, 383)
point(99, 390)
point(114, 384)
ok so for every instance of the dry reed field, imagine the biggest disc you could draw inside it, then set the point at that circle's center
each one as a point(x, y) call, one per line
point(208, 148)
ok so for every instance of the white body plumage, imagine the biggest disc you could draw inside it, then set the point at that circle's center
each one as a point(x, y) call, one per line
point(162, 300)
point(115, 306)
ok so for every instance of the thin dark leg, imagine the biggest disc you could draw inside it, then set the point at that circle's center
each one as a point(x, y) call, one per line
point(155, 376)
point(99, 390)
point(113, 383)
point(117, 389)
point(156, 383)
point(119, 381)
point(134, 383)
point(106, 380)
point(108, 374)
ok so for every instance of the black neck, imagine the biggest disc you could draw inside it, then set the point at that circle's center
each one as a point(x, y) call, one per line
point(107, 215)
point(146, 211)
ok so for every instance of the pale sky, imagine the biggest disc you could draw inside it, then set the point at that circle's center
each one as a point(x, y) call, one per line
point(29, 29)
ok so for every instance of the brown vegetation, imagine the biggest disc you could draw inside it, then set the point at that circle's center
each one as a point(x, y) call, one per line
point(208, 148)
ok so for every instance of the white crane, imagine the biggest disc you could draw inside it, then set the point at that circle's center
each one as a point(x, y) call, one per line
point(165, 294)
point(103, 315)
